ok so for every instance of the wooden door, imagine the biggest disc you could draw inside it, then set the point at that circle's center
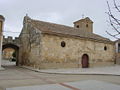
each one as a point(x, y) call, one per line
point(85, 61)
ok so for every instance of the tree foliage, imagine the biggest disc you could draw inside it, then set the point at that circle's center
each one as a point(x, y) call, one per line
point(14, 54)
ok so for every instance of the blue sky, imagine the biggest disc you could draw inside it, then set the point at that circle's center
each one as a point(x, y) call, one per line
point(55, 11)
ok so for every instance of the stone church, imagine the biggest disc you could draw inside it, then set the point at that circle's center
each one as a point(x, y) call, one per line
point(46, 45)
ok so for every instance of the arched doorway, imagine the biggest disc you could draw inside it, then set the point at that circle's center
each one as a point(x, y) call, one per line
point(85, 61)
point(10, 51)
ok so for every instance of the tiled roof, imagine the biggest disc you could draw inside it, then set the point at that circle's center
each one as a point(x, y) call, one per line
point(51, 28)
point(85, 19)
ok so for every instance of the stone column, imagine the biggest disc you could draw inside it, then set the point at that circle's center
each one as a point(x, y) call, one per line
point(2, 19)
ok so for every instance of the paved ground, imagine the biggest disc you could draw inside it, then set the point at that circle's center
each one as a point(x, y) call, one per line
point(81, 85)
point(7, 63)
point(16, 77)
point(109, 70)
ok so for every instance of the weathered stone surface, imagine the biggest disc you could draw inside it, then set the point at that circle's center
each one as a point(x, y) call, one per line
point(41, 49)
point(10, 40)
point(52, 52)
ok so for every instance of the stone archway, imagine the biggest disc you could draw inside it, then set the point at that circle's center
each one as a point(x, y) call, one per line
point(15, 47)
point(85, 61)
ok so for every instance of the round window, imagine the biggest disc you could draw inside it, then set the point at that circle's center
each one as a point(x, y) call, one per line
point(63, 44)
point(77, 26)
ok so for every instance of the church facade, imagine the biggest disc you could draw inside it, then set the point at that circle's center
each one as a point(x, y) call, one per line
point(47, 45)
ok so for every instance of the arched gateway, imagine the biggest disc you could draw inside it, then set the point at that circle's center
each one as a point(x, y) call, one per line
point(15, 47)
point(85, 61)
point(10, 43)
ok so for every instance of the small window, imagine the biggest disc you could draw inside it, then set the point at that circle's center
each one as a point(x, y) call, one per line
point(105, 48)
point(77, 26)
point(63, 44)
point(119, 47)
point(86, 25)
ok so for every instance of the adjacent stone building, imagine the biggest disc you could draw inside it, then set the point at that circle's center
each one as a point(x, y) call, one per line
point(117, 49)
point(7, 53)
point(48, 45)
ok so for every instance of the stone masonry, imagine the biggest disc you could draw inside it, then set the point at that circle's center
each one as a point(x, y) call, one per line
point(41, 45)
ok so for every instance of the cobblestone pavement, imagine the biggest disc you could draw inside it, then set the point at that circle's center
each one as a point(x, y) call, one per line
point(14, 76)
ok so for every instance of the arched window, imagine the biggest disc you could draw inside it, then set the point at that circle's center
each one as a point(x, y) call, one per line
point(86, 25)
point(119, 47)
point(105, 48)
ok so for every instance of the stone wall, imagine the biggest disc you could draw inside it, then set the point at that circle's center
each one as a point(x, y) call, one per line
point(118, 58)
point(45, 51)
point(30, 45)
point(55, 56)
point(42, 50)
point(10, 40)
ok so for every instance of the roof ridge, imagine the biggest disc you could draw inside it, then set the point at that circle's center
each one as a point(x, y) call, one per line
point(64, 29)
point(55, 24)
